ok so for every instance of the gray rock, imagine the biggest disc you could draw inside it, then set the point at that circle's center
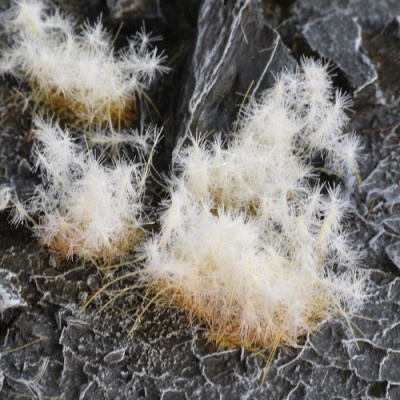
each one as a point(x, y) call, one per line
point(132, 9)
point(392, 225)
point(228, 60)
point(9, 295)
point(389, 370)
point(385, 47)
point(371, 13)
point(338, 38)
point(393, 251)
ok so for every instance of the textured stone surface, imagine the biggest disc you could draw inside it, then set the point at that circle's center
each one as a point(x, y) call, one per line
point(131, 9)
point(217, 77)
point(386, 46)
point(337, 37)
point(48, 350)
point(393, 251)
point(9, 296)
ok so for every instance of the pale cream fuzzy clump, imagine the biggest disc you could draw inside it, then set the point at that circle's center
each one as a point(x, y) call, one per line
point(248, 244)
point(77, 73)
point(85, 209)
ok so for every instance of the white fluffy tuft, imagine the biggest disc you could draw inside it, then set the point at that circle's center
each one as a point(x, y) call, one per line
point(247, 242)
point(77, 73)
point(86, 209)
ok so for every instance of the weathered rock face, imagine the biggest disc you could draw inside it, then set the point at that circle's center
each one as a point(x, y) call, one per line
point(337, 37)
point(217, 50)
point(227, 60)
point(128, 9)
point(385, 46)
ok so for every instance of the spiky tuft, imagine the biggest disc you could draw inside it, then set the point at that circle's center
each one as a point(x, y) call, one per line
point(248, 244)
point(77, 74)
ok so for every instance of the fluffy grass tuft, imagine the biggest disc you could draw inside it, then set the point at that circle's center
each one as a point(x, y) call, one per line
point(85, 209)
point(250, 239)
point(77, 73)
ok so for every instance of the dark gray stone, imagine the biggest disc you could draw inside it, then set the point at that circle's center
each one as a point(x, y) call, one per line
point(385, 47)
point(366, 359)
point(393, 251)
point(228, 59)
point(132, 9)
point(9, 295)
point(338, 38)
point(392, 225)
point(370, 13)
point(390, 368)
